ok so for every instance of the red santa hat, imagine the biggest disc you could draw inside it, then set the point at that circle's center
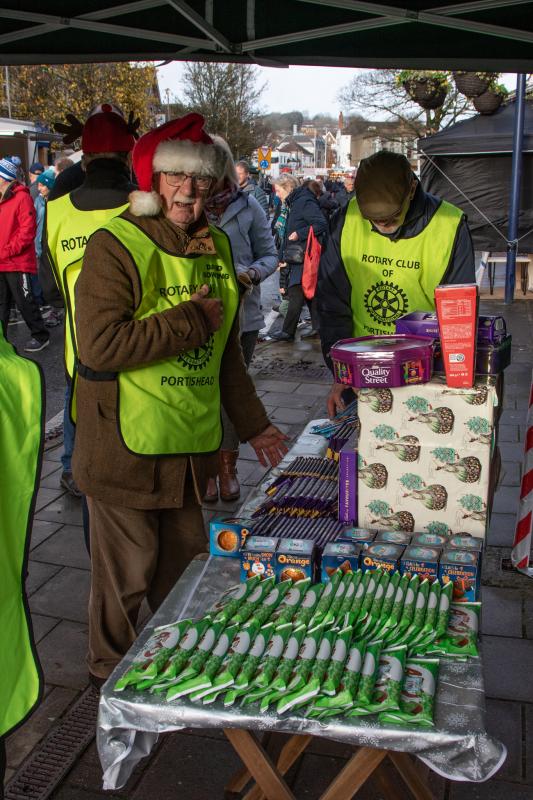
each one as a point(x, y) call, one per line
point(106, 131)
point(180, 145)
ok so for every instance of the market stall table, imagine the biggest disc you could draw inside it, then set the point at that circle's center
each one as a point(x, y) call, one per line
point(129, 722)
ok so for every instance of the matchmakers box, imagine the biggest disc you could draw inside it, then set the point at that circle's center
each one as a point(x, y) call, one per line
point(463, 569)
point(422, 561)
point(258, 557)
point(295, 559)
point(347, 498)
point(339, 555)
point(228, 535)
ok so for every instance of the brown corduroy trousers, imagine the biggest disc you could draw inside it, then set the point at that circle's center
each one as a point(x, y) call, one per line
point(134, 554)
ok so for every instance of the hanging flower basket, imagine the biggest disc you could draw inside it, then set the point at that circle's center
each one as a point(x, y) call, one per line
point(473, 84)
point(424, 89)
point(488, 102)
point(436, 101)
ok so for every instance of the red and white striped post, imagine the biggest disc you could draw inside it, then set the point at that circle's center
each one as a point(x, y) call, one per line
point(520, 554)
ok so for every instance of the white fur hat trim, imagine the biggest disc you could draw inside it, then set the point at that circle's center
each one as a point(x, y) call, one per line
point(145, 204)
point(182, 155)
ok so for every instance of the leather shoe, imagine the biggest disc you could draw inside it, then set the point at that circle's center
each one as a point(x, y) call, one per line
point(281, 336)
point(312, 334)
point(211, 493)
point(68, 483)
point(227, 476)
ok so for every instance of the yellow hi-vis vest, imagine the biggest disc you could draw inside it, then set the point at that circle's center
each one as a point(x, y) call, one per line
point(172, 406)
point(390, 278)
point(67, 233)
point(21, 443)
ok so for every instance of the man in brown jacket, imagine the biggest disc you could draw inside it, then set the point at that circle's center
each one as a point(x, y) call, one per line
point(157, 335)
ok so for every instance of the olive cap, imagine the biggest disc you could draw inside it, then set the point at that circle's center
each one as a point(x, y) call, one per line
point(382, 183)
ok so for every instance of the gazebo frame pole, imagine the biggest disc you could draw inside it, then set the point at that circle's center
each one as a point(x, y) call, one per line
point(516, 178)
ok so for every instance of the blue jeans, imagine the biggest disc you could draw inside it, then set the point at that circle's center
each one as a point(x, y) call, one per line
point(69, 431)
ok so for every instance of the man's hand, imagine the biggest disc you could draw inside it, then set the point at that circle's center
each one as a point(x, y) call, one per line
point(335, 401)
point(270, 444)
point(211, 308)
point(293, 237)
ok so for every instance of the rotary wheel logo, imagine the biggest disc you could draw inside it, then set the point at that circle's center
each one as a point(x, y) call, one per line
point(199, 357)
point(385, 302)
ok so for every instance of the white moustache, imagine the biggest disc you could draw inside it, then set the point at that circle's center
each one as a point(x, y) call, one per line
point(185, 200)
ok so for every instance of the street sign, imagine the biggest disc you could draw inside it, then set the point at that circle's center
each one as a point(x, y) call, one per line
point(264, 159)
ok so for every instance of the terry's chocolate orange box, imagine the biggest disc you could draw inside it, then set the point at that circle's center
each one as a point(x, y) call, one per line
point(457, 313)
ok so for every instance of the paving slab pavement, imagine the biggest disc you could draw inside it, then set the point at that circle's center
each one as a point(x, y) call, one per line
point(192, 765)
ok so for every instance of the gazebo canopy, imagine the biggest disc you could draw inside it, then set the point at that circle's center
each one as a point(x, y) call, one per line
point(479, 35)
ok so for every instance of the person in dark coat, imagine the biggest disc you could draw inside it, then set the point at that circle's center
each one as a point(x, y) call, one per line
point(346, 191)
point(303, 212)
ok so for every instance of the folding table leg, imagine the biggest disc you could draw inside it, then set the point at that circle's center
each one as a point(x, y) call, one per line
point(407, 769)
point(290, 752)
point(255, 757)
point(354, 774)
point(239, 780)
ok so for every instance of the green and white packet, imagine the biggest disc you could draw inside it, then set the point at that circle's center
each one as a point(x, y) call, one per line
point(201, 684)
point(348, 685)
point(390, 593)
point(320, 666)
point(372, 620)
point(264, 611)
point(290, 604)
point(254, 599)
point(181, 656)
point(157, 651)
point(388, 685)
point(298, 684)
point(417, 697)
point(396, 635)
point(250, 664)
point(272, 656)
point(463, 626)
point(369, 674)
point(333, 610)
point(326, 598)
point(443, 614)
point(337, 662)
point(349, 597)
point(428, 631)
point(368, 599)
point(309, 604)
point(239, 647)
point(288, 659)
point(206, 644)
point(414, 631)
point(228, 605)
point(359, 595)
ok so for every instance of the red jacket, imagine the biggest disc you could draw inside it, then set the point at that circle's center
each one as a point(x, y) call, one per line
point(17, 230)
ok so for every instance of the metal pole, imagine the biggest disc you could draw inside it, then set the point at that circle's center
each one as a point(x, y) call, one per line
point(516, 178)
point(8, 93)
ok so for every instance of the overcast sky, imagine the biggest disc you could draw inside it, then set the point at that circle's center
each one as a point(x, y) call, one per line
point(307, 89)
point(311, 89)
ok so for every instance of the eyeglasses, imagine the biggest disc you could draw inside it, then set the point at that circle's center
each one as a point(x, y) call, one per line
point(397, 214)
point(200, 182)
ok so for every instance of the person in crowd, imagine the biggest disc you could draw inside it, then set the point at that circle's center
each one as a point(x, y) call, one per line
point(301, 212)
point(156, 324)
point(249, 186)
point(107, 141)
point(18, 263)
point(62, 164)
point(387, 251)
point(34, 171)
point(239, 215)
point(45, 183)
point(347, 190)
point(326, 202)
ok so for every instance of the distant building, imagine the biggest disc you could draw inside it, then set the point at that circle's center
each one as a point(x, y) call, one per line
point(361, 138)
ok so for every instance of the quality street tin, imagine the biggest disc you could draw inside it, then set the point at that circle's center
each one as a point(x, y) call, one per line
point(382, 361)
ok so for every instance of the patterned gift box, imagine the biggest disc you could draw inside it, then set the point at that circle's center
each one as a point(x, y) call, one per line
point(424, 457)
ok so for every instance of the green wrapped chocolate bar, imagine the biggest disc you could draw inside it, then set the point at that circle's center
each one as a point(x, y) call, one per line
point(443, 614)
point(297, 687)
point(462, 632)
point(271, 659)
point(388, 685)
point(333, 610)
point(418, 694)
point(396, 634)
point(229, 604)
point(179, 657)
point(255, 598)
point(348, 685)
point(290, 604)
point(264, 611)
point(206, 644)
point(200, 685)
point(326, 598)
point(288, 659)
point(309, 604)
point(369, 674)
point(337, 662)
point(157, 651)
point(236, 654)
point(250, 664)
point(349, 597)
point(414, 632)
